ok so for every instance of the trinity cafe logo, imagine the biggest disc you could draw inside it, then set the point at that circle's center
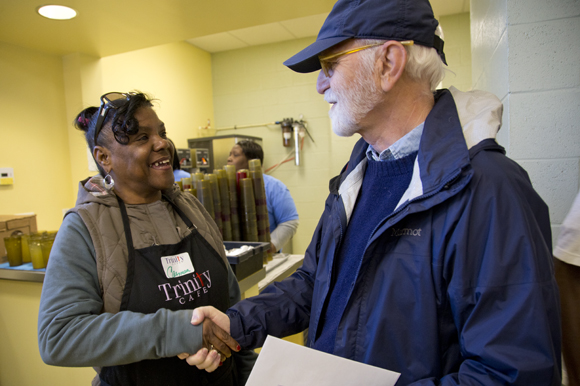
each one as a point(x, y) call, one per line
point(187, 290)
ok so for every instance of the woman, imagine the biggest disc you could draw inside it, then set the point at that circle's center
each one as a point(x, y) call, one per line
point(131, 261)
point(282, 211)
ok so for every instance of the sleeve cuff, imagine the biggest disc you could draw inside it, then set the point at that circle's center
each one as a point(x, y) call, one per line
point(180, 335)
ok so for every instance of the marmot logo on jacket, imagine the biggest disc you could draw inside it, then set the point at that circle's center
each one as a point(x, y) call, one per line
point(189, 290)
point(406, 232)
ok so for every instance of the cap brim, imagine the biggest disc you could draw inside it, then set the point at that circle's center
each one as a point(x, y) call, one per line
point(307, 59)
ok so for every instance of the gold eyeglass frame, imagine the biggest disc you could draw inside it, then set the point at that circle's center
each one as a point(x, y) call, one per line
point(326, 61)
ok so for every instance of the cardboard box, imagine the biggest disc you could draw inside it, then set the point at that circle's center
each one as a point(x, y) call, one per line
point(15, 224)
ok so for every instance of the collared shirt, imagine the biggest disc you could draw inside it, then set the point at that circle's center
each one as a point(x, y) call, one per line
point(406, 145)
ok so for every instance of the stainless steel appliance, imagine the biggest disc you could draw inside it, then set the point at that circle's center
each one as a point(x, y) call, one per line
point(209, 153)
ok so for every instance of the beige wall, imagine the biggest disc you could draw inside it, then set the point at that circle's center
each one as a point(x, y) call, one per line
point(251, 86)
point(456, 31)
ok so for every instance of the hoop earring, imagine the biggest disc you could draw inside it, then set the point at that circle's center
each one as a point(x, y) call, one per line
point(109, 182)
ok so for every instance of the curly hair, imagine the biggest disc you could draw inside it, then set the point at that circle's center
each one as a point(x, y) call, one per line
point(120, 118)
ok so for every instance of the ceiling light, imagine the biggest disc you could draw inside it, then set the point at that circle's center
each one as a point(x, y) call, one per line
point(57, 12)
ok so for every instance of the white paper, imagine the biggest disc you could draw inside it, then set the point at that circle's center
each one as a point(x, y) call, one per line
point(282, 363)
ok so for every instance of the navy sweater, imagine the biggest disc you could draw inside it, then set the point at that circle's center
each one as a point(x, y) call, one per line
point(383, 186)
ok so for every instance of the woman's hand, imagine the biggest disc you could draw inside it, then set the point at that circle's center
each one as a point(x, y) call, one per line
point(217, 342)
point(204, 359)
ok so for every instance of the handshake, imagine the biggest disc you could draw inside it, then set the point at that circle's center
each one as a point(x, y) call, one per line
point(217, 342)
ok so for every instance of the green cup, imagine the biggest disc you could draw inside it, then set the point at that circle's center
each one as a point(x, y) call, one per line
point(34, 244)
point(13, 250)
point(25, 249)
point(46, 245)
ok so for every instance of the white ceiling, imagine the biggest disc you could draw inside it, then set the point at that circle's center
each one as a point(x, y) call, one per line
point(294, 29)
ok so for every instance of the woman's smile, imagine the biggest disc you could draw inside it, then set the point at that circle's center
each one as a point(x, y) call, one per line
point(162, 164)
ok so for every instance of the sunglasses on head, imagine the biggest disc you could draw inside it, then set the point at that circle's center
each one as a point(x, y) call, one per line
point(106, 104)
point(327, 62)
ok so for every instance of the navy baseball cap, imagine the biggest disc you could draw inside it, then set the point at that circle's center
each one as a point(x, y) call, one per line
point(371, 19)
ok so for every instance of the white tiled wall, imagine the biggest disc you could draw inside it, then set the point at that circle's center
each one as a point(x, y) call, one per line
point(527, 53)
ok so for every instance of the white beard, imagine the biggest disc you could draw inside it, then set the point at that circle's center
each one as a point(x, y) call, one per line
point(352, 104)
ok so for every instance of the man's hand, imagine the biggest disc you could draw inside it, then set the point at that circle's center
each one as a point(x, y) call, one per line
point(216, 316)
point(216, 339)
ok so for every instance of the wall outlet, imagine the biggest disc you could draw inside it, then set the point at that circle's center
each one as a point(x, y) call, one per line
point(6, 176)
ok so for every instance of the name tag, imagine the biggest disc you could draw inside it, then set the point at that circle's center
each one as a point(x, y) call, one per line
point(177, 265)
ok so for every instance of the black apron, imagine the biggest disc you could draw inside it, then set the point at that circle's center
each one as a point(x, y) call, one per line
point(161, 277)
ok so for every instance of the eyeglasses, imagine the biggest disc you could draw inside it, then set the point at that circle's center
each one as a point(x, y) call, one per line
point(106, 100)
point(327, 62)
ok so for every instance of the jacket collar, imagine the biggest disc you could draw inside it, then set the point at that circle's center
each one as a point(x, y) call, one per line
point(457, 122)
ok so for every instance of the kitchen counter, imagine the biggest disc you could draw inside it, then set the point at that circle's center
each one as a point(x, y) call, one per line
point(23, 272)
point(282, 266)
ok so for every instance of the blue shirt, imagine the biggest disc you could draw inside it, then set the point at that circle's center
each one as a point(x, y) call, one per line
point(406, 145)
point(178, 174)
point(281, 207)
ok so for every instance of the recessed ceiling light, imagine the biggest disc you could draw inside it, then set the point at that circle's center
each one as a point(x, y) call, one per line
point(57, 12)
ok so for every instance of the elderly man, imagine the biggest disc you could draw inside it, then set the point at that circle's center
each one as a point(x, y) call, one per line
point(433, 255)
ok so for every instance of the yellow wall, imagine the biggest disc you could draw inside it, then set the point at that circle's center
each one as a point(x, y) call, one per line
point(33, 135)
point(82, 85)
point(41, 94)
point(20, 362)
point(457, 33)
point(178, 75)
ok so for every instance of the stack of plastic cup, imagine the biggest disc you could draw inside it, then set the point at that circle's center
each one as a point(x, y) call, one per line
point(248, 210)
point(13, 246)
point(197, 176)
point(204, 196)
point(186, 183)
point(194, 178)
point(222, 180)
point(233, 196)
point(241, 174)
point(217, 205)
point(261, 205)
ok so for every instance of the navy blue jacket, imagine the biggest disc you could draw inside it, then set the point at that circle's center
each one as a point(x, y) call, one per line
point(456, 286)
